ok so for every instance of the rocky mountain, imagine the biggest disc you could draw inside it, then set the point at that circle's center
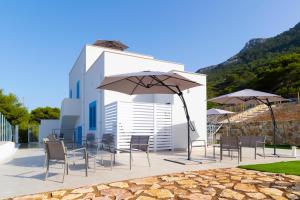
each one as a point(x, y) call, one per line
point(267, 64)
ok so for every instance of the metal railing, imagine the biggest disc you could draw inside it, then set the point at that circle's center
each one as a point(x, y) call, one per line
point(6, 129)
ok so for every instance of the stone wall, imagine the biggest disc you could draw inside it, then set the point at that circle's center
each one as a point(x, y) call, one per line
point(288, 131)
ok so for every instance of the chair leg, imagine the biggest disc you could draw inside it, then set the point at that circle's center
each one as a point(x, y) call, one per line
point(221, 153)
point(86, 163)
point(205, 151)
point(148, 158)
point(130, 160)
point(67, 168)
point(255, 153)
point(264, 152)
point(214, 151)
point(111, 161)
point(47, 169)
point(64, 172)
point(241, 153)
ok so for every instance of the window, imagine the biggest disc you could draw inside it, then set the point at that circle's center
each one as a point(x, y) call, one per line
point(78, 90)
point(70, 94)
point(92, 115)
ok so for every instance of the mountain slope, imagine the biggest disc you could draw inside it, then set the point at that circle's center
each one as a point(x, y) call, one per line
point(271, 65)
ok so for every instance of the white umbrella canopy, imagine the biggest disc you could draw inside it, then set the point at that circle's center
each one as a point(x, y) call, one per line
point(152, 82)
point(215, 111)
point(247, 96)
point(147, 82)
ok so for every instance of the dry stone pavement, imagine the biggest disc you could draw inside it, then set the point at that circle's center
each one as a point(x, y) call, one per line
point(221, 184)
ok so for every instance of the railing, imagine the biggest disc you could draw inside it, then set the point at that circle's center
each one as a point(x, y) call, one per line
point(6, 129)
point(127, 118)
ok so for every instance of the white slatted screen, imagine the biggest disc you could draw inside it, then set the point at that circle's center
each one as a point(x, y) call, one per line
point(126, 118)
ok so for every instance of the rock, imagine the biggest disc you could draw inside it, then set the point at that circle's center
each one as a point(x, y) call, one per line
point(32, 197)
point(236, 178)
point(155, 186)
point(283, 183)
point(266, 179)
point(227, 193)
point(180, 192)
point(245, 187)
point(145, 198)
point(119, 184)
point(102, 187)
point(256, 195)
point(187, 183)
point(251, 181)
point(72, 196)
point(209, 191)
point(196, 196)
point(292, 196)
point(89, 196)
point(159, 193)
point(271, 191)
point(124, 196)
point(83, 190)
point(113, 192)
point(102, 198)
point(58, 194)
point(172, 179)
point(145, 181)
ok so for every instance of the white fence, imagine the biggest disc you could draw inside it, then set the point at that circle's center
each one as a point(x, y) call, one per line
point(6, 129)
point(126, 118)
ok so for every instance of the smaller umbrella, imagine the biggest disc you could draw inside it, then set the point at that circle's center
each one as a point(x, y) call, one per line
point(215, 111)
point(249, 96)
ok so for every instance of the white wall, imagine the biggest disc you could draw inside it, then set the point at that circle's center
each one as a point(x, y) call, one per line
point(96, 62)
point(46, 127)
point(196, 102)
point(93, 78)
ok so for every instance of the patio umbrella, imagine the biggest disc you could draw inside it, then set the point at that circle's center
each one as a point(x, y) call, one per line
point(249, 96)
point(152, 82)
point(226, 113)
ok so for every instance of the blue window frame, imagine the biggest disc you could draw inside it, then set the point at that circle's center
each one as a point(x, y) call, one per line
point(70, 94)
point(92, 115)
point(78, 89)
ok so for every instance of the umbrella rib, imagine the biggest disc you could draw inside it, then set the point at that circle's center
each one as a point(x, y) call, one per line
point(140, 81)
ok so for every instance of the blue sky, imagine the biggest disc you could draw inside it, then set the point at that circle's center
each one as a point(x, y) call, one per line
point(40, 40)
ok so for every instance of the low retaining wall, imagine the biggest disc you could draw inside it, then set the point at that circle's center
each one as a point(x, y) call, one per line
point(7, 149)
point(288, 131)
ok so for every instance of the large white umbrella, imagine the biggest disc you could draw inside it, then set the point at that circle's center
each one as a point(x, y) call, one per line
point(249, 96)
point(152, 82)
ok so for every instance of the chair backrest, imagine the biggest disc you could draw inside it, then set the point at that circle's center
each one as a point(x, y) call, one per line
point(140, 142)
point(250, 141)
point(108, 139)
point(229, 142)
point(55, 150)
point(51, 137)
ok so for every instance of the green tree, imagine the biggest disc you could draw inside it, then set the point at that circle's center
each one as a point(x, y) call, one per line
point(44, 113)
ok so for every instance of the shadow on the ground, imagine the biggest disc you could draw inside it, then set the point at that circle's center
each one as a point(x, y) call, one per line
point(28, 161)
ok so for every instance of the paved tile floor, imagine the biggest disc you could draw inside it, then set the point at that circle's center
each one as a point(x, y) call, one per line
point(24, 174)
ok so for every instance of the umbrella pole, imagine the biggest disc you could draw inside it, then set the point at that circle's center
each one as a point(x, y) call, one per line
point(274, 125)
point(188, 121)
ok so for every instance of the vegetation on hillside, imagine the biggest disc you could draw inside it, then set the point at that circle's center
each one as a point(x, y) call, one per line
point(17, 114)
point(270, 65)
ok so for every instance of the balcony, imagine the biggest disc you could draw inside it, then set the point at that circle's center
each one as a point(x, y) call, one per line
point(70, 107)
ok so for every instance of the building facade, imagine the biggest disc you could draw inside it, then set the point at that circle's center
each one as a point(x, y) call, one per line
point(86, 109)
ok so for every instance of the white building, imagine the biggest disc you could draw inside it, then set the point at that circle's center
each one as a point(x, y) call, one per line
point(90, 110)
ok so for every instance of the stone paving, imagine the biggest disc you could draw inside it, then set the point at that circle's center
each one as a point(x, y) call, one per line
point(221, 184)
